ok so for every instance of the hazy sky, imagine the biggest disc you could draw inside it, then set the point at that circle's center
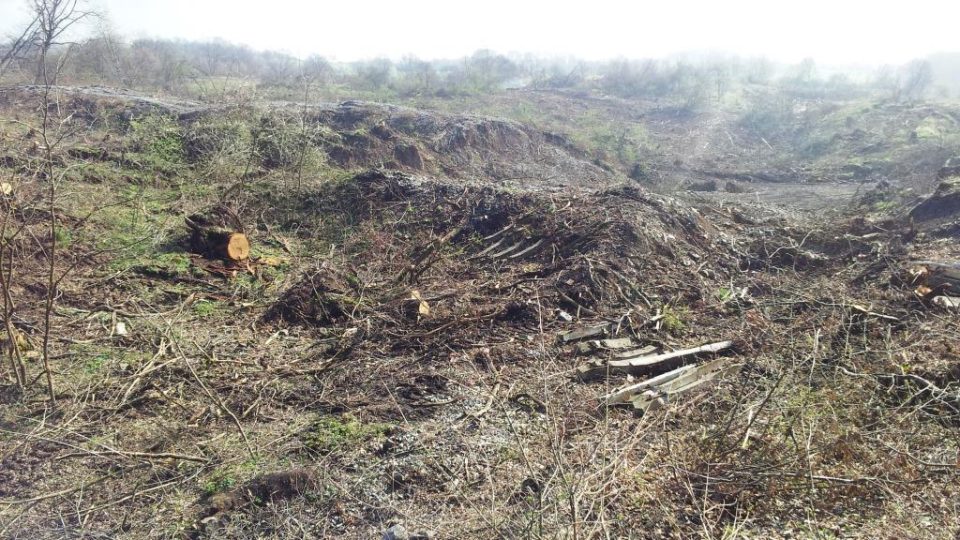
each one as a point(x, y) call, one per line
point(830, 31)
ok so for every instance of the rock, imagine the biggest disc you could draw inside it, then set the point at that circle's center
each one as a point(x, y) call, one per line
point(856, 171)
point(399, 532)
point(733, 187)
point(639, 172)
point(950, 168)
point(706, 185)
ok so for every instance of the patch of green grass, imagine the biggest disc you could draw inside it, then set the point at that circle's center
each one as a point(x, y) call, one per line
point(227, 478)
point(94, 364)
point(673, 319)
point(331, 434)
point(158, 139)
point(723, 294)
point(96, 359)
point(930, 128)
point(63, 236)
point(93, 173)
point(883, 206)
point(220, 482)
point(204, 308)
point(166, 264)
point(133, 226)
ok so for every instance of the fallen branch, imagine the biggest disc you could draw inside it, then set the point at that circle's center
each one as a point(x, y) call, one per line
point(215, 398)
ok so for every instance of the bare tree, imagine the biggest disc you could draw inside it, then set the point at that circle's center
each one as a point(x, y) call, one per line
point(19, 45)
point(919, 76)
point(53, 19)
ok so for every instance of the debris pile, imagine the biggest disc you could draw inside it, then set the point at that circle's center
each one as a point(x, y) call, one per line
point(937, 283)
point(460, 265)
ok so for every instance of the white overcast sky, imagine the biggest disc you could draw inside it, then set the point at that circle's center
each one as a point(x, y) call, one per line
point(830, 31)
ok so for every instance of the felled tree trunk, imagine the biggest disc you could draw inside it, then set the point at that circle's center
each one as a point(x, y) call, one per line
point(220, 243)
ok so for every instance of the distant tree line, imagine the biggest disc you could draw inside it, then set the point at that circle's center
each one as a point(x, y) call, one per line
point(688, 85)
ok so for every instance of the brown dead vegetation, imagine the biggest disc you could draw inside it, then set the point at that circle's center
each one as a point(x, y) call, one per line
point(420, 361)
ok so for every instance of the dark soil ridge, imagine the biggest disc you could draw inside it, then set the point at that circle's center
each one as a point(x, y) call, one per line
point(357, 135)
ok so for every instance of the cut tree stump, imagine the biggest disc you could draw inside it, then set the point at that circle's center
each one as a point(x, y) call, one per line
point(220, 243)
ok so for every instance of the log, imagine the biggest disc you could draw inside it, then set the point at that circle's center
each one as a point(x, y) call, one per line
point(643, 364)
point(936, 277)
point(220, 243)
point(949, 303)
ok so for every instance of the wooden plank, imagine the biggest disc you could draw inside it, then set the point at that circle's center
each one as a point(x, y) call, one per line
point(628, 393)
point(633, 353)
point(695, 377)
point(661, 395)
point(584, 333)
point(616, 343)
point(596, 345)
point(643, 364)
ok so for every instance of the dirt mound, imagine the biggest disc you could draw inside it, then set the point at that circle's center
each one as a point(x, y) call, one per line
point(356, 135)
point(943, 204)
point(361, 135)
point(480, 258)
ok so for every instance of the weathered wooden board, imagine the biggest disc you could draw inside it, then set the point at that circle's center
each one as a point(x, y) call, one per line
point(585, 333)
point(644, 364)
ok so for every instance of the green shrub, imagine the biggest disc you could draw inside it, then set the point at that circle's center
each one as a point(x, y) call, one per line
point(218, 141)
point(673, 319)
point(158, 139)
point(330, 434)
point(204, 308)
point(221, 481)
